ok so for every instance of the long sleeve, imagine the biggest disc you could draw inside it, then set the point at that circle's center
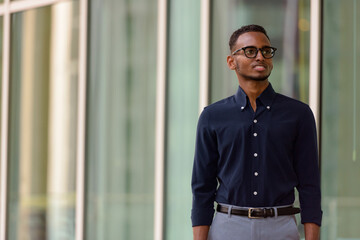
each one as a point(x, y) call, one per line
point(204, 181)
point(307, 170)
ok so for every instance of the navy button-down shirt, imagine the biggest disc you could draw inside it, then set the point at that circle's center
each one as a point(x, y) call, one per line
point(256, 159)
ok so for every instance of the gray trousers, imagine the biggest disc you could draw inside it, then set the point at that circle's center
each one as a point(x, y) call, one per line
point(231, 227)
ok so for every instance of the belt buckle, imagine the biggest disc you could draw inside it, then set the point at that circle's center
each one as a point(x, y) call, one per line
point(250, 212)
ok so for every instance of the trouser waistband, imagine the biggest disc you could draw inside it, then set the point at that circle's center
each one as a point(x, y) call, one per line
point(258, 212)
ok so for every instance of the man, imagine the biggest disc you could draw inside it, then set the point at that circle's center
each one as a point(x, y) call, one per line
point(252, 150)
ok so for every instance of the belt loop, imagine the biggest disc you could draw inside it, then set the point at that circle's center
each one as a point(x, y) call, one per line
point(276, 212)
point(229, 211)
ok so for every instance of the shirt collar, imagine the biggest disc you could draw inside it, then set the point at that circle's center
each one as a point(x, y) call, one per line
point(241, 98)
point(266, 97)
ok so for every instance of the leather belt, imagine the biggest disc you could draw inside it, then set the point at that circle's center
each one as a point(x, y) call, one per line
point(259, 212)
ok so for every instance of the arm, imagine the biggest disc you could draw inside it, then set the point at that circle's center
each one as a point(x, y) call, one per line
point(312, 231)
point(307, 169)
point(204, 173)
point(201, 232)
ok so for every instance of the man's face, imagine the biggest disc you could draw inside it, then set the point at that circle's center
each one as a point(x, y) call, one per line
point(251, 69)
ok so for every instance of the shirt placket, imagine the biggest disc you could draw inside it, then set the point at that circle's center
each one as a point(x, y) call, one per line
point(257, 195)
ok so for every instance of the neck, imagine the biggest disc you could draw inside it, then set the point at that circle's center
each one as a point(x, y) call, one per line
point(253, 89)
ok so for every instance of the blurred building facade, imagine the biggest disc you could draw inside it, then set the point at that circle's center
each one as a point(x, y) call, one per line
point(100, 100)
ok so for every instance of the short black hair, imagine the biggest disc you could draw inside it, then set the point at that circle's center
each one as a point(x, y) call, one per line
point(244, 29)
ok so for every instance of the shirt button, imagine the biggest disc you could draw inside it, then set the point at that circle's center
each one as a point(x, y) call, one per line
point(242, 108)
point(255, 134)
point(255, 121)
point(256, 174)
point(255, 154)
point(255, 193)
point(268, 107)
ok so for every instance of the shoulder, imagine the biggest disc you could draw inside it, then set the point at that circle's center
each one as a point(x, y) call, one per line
point(291, 102)
point(220, 106)
point(294, 107)
point(215, 110)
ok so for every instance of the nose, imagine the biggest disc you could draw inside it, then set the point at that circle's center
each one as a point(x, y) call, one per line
point(259, 55)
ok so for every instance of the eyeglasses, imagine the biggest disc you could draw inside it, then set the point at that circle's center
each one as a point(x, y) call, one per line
point(251, 52)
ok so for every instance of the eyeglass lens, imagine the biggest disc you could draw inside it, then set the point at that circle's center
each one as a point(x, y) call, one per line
point(267, 52)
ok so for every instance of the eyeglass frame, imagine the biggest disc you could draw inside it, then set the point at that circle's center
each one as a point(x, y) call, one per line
point(257, 50)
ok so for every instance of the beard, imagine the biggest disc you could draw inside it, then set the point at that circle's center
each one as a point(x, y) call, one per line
point(258, 79)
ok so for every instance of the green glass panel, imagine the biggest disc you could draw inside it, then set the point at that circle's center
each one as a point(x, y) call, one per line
point(340, 120)
point(182, 114)
point(42, 123)
point(287, 24)
point(121, 119)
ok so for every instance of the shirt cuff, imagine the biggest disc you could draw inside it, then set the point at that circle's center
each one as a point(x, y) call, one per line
point(201, 217)
point(311, 215)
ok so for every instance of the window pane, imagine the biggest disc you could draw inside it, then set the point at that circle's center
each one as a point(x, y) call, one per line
point(121, 119)
point(340, 120)
point(287, 24)
point(42, 140)
point(182, 114)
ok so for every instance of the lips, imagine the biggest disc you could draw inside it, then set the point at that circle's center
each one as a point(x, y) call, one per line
point(260, 67)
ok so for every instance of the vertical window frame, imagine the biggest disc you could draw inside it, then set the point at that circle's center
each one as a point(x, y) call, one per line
point(7, 8)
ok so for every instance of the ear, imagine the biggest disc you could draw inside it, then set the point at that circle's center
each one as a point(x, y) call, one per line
point(230, 62)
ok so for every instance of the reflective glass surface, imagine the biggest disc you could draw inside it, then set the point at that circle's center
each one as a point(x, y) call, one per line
point(43, 116)
point(340, 120)
point(182, 114)
point(121, 119)
point(287, 24)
